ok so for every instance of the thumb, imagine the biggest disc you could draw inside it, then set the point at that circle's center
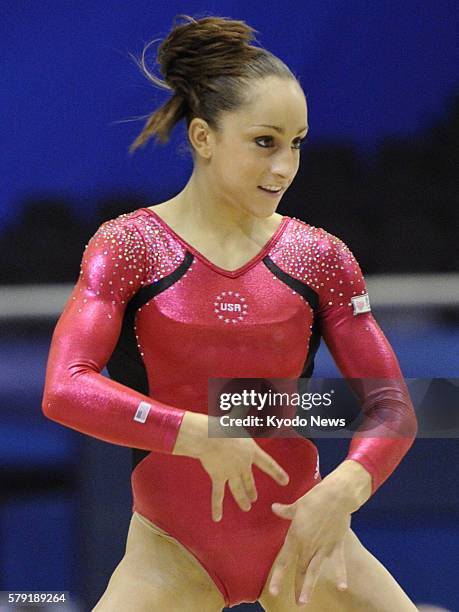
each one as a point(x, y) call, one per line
point(285, 511)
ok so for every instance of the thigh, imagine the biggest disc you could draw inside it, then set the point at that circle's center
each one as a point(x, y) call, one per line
point(156, 573)
point(371, 588)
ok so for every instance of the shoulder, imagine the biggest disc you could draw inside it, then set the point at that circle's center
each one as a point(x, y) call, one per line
point(116, 248)
point(138, 238)
point(317, 239)
point(129, 232)
point(115, 231)
point(302, 242)
point(319, 259)
point(321, 248)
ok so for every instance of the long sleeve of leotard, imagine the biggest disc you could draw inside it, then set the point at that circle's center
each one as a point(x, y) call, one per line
point(114, 266)
point(365, 357)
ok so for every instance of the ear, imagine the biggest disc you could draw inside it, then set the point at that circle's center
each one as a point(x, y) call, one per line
point(200, 136)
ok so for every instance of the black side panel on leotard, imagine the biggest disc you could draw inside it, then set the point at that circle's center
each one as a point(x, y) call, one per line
point(312, 299)
point(126, 364)
point(314, 343)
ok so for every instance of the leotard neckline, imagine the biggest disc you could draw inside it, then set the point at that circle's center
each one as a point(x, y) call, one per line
point(231, 273)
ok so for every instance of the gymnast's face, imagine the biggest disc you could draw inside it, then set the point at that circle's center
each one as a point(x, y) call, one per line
point(257, 146)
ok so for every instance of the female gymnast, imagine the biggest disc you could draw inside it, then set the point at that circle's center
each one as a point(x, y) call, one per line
point(152, 303)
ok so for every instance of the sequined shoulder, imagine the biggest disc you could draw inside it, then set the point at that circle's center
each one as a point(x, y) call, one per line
point(139, 231)
point(164, 250)
point(312, 255)
point(121, 237)
point(116, 259)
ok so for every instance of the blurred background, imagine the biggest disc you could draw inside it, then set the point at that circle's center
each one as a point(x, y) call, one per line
point(379, 170)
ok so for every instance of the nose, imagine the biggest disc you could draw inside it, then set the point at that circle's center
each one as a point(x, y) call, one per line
point(284, 164)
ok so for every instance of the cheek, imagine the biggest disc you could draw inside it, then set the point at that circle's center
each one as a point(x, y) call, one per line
point(239, 166)
point(239, 169)
point(252, 165)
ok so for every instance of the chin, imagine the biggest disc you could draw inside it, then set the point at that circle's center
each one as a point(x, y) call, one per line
point(267, 214)
point(261, 213)
point(266, 211)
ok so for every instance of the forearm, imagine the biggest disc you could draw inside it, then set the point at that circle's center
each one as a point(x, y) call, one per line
point(388, 430)
point(366, 359)
point(94, 405)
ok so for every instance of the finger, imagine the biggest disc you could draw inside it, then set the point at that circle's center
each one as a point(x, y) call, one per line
point(285, 511)
point(308, 576)
point(249, 484)
point(218, 492)
point(270, 467)
point(302, 564)
point(238, 490)
point(285, 558)
point(339, 562)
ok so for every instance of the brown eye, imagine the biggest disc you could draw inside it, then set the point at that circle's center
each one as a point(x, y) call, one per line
point(267, 142)
point(299, 143)
point(264, 138)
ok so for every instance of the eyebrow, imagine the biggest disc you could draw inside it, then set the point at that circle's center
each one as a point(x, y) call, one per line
point(279, 129)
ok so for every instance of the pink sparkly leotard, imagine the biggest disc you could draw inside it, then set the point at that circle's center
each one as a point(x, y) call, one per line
point(155, 311)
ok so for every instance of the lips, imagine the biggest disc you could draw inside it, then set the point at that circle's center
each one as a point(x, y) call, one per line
point(271, 192)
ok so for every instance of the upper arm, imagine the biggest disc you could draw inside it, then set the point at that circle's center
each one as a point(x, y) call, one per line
point(113, 269)
point(355, 340)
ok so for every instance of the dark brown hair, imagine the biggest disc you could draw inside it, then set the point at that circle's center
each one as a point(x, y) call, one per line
point(207, 63)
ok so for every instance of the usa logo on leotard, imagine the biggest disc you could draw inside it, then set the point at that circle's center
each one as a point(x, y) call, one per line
point(361, 303)
point(230, 307)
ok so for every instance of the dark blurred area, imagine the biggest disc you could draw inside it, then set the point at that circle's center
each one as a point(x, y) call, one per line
point(398, 211)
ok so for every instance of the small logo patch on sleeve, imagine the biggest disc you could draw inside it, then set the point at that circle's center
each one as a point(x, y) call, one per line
point(361, 303)
point(142, 412)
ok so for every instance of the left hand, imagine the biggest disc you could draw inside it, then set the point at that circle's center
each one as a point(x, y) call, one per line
point(319, 525)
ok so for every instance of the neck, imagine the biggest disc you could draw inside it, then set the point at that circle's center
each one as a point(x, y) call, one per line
point(200, 209)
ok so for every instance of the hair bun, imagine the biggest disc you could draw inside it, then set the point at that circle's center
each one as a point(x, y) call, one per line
point(199, 49)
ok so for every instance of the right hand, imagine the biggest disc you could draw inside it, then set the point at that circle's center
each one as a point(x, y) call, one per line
point(226, 459)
